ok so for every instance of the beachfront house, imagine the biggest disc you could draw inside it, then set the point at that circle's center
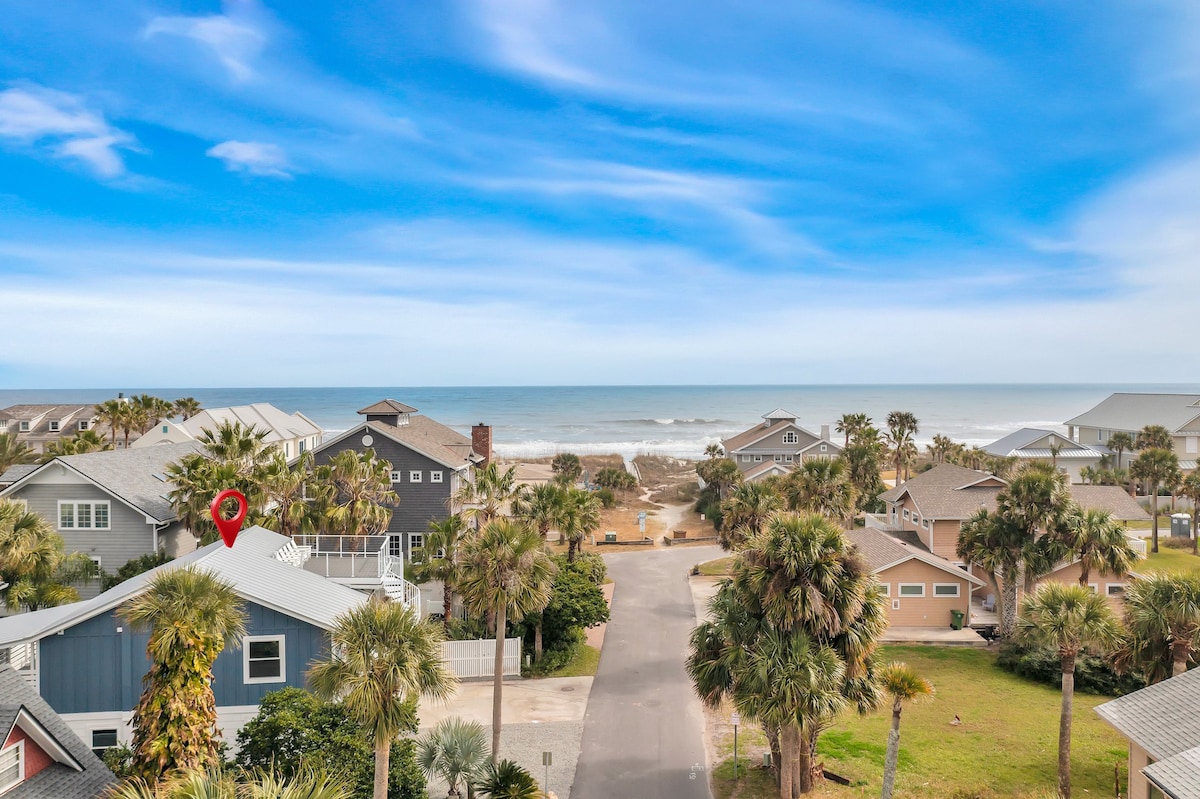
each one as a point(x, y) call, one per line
point(778, 440)
point(1129, 413)
point(1163, 730)
point(88, 664)
point(109, 505)
point(293, 433)
point(1031, 444)
point(430, 463)
point(923, 590)
point(40, 757)
point(36, 426)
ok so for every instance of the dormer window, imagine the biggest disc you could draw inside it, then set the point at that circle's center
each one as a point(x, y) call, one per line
point(23, 426)
point(84, 424)
point(791, 437)
point(54, 427)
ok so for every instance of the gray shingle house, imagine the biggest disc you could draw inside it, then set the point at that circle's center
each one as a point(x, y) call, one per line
point(88, 665)
point(778, 440)
point(1162, 724)
point(110, 505)
point(40, 758)
point(430, 462)
point(1130, 412)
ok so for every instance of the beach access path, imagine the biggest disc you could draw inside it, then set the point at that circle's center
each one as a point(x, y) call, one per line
point(643, 734)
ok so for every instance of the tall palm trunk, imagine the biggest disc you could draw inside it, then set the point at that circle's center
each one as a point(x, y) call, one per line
point(893, 751)
point(537, 640)
point(1180, 652)
point(803, 763)
point(1008, 603)
point(447, 606)
point(498, 679)
point(1154, 521)
point(1064, 727)
point(787, 754)
point(383, 754)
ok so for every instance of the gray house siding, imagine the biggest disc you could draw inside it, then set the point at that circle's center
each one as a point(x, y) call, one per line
point(420, 503)
point(93, 668)
point(129, 535)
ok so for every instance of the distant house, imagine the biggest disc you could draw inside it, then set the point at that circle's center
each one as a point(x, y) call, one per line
point(1046, 446)
point(922, 588)
point(1162, 726)
point(40, 757)
point(779, 439)
point(110, 505)
point(88, 664)
point(430, 463)
point(1129, 413)
point(39, 425)
point(294, 433)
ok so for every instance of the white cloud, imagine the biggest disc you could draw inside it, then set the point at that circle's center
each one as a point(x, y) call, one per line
point(255, 158)
point(39, 116)
point(235, 43)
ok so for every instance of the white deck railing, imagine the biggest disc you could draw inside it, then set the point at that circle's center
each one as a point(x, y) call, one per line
point(344, 555)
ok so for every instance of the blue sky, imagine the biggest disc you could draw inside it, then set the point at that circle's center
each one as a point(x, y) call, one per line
point(535, 192)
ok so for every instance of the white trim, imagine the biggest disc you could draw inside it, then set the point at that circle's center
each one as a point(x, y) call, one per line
point(436, 476)
point(282, 658)
point(92, 505)
point(370, 427)
point(19, 750)
point(895, 604)
point(901, 586)
point(956, 586)
point(98, 751)
point(28, 479)
point(414, 475)
point(1108, 589)
point(887, 588)
point(396, 475)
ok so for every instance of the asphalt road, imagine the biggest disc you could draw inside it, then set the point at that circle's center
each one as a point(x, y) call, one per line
point(643, 734)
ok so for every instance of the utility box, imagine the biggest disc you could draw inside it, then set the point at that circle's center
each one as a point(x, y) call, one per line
point(1181, 526)
point(610, 537)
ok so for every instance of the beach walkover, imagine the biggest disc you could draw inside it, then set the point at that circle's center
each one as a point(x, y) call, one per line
point(643, 734)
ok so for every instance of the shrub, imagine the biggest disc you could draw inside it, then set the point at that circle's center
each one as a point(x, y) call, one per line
point(507, 780)
point(592, 566)
point(607, 498)
point(133, 568)
point(469, 629)
point(611, 477)
point(1093, 675)
point(1170, 542)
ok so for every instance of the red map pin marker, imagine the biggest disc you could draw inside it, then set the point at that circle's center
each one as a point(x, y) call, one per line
point(229, 527)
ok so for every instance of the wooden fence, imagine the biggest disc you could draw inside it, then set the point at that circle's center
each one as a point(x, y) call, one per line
point(467, 659)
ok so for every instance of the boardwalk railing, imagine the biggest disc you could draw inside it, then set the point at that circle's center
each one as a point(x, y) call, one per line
point(467, 659)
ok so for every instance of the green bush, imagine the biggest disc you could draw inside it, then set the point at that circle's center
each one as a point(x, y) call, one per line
point(607, 498)
point(468, 629)
point(709, 504)
point(133, 568)
point(592, 566)
point(1093, 675)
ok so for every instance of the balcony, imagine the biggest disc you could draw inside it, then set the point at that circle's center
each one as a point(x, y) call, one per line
point(358, 561)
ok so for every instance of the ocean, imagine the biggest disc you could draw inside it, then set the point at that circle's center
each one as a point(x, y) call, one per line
point(670, 420)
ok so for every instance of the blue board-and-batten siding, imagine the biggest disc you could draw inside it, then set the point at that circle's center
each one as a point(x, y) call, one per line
point(92, 668)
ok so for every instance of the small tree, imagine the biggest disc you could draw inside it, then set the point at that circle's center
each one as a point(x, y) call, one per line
point(566, 467)
point(454, 750)
point(1156, 466)
point(507, 780)
point(903, 684)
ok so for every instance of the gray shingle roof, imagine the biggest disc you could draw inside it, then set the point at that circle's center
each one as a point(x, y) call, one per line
point(250, 565)
point(1178, 777)
point(264, 416)
point(387, 406)
point(1160, 718)
point(1113, 499)
point(1023, 439)
point(948, 475)
point(15, 473)
point(1132, 412)
point(422, 434)
point(128, 474)
point(881, 551)
point(57, 781)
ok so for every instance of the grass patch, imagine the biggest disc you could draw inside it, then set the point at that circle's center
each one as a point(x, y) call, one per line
point(716, 568)
point(1172, 561)
point(1006, 745)
point(584, 664)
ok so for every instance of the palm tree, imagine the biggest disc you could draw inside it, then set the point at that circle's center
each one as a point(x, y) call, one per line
point(580, 518)
point(14, 452)
point(33, 564)
point(187, 407)
point(1155, 466)
point(1122, 442)
point(541, 506)
point(192, 615)
point(355, 493)
point(821, 486)
point(444, 545)
point(940, 448)
point(487, 495)
point(195, 480)
point(454, 750)
point(507, 573)
point(149, 409)
point(851, 423)
point(1098, 541)
point(284, 489)
point(997, 545)
point(722, 473)
point(1154, 436)
point(1068, 619)
point(1189, 488)
point(1162, 615)
point(216, 784)
point(234, 442)
point(745, 512)
point(112, 413)
point(507, 780)
point(902, 426)
point(83, 441)
point(903, 684)
point(566, 467)
point(713, 451)
point(382, 657)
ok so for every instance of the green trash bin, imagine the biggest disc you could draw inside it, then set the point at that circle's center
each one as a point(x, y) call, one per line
point(956, 619)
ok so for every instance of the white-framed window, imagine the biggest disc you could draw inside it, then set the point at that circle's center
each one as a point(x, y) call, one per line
point(790, 437)
point(23, 426)
point(895, 604)
point(83, 515)
point(414, 476)
point(395, 477)
point(1099, 435)
point(263, 658)
point(758, 458)
point(416, 547)
point(12, 766)
point(287, 449)
point(887, 588)
point(1191, 445)
point(1094, 587)
point(745, 459)
point(912, 589)
point(787, 458)
point(96, 560)
point(962, 566)
point(103, 739)
point(436, 477)
point(84, 424)
point(946, 589)
point(779, 459)
point(906, 515)
point(54, 427)
point(1115, 589)
point(824, 448)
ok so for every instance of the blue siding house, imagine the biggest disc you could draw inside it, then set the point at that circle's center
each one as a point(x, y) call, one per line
point(88, 665)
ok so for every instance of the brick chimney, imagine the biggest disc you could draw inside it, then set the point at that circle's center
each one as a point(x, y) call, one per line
point(481, 442)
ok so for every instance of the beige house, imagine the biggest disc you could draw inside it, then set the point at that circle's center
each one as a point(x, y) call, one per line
point(778, 440)
point(1162, 726)
point(1129, 413)
point(293, 433)
point(38, 425)
point(922, 589)
point(1030, 444)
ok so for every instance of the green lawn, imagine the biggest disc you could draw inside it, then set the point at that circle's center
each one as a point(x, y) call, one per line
point(584, 664)
point(1174, 561)
point(1006, 745)
point(717, 568)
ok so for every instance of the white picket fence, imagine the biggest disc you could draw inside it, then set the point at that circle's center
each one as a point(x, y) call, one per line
point(467, 659)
